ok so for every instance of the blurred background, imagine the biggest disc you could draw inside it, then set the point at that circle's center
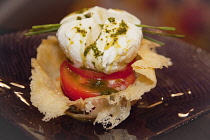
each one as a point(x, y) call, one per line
point(190, 17)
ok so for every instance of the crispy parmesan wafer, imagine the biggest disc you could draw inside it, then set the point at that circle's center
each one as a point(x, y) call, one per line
point(108, 110)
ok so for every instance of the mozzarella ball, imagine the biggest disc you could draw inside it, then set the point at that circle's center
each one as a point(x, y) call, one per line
point(105, 40)
point(74, 37)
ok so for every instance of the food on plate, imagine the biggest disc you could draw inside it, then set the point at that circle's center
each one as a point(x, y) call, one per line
point(98, 64)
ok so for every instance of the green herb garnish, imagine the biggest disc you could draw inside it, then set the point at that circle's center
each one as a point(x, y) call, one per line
point(96, 51)
point(79, 18)
point(87, 50)
point(101, 25)
point(171, 35)
point(40, 29)
point(122, 29)
point(111, 19)
point(161, 28)
point(153, 40)
point(88, 15)
point(46, 26)
point(81, 31)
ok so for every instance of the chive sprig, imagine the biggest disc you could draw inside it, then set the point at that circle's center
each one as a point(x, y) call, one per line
point(40, 29)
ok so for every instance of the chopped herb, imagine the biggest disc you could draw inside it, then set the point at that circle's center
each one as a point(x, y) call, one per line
point(122, 29)
point(94, 64)
point(113, 42)
point(111, 19)
point(123, 24)
point(87, 50)
point(95, 50)
point(101, 25)
point(82, 31)
point(79, 18)
point(88, 15)
point(107, 31)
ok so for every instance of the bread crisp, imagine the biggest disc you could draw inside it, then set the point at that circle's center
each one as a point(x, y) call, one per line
point(108, 110)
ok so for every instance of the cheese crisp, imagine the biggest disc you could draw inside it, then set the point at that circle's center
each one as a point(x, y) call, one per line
point(108, 110)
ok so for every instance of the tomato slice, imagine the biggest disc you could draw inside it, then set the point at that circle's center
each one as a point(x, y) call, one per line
point(99, 75)
point(122, 84)
point(79, 83)
point(71, 85)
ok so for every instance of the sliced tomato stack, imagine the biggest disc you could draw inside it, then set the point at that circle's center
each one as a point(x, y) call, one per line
point(81, 83)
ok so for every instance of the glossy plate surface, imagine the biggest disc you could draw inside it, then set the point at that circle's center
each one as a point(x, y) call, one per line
point(182, 94)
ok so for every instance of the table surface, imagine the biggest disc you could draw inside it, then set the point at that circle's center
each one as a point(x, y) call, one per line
point(195, 130)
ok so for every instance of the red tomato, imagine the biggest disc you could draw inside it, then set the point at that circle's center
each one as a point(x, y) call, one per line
point(72, 85)
point(99, 75)
point(79, 83)
point(122, 84)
